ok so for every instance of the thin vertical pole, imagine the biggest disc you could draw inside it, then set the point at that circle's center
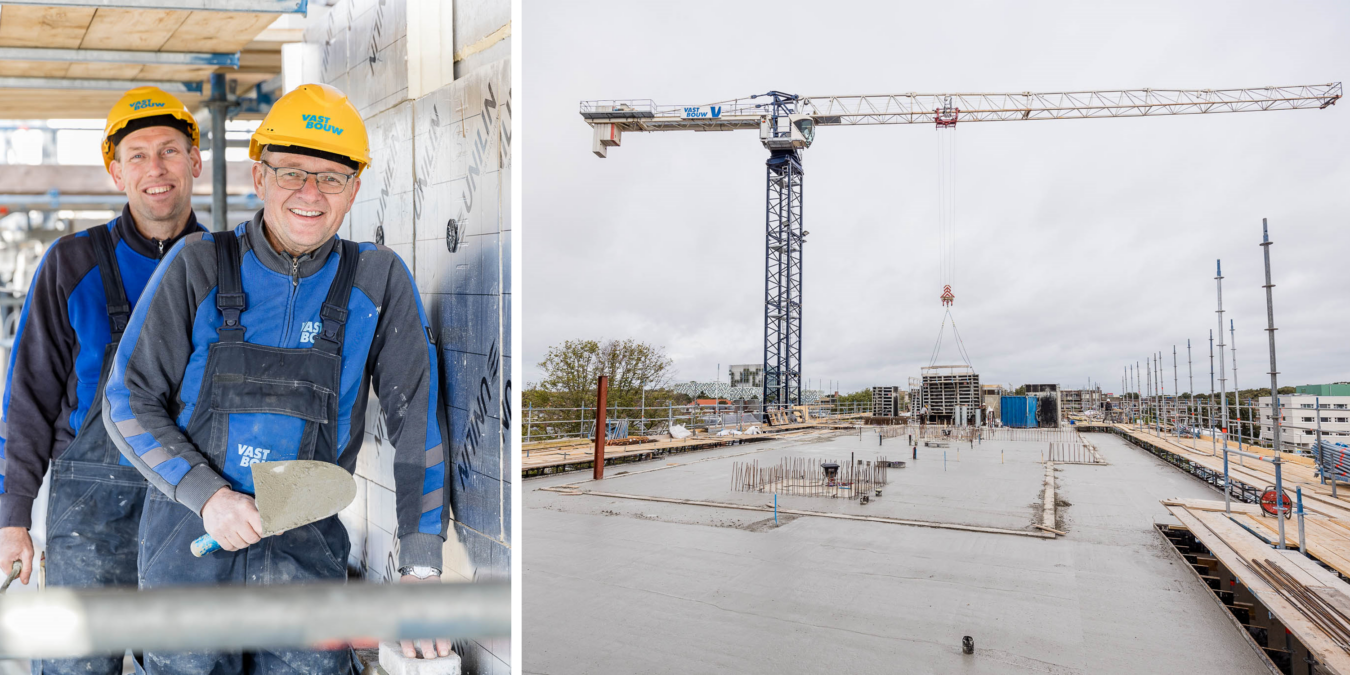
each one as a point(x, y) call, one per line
point(1190, 389)
point(1214, 438)
point(1176, 394)
point(1279, 499)
point(600, 409)
point(1317, 450)
point(1237, 393)
point(1270, 330)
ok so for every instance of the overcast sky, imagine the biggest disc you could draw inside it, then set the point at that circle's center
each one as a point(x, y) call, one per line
point(1082, 245)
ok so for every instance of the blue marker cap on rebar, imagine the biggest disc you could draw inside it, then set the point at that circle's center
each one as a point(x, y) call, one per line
point(1218, 267)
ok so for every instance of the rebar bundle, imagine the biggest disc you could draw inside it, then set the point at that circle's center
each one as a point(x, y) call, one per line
point(1312, 606)
point(807, 477)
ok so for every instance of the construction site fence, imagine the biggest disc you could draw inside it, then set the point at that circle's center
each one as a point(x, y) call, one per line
point(807, 477)
point(543, 424)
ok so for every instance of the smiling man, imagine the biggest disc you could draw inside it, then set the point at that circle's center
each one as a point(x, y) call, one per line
point(75, 313)
point(260, 345)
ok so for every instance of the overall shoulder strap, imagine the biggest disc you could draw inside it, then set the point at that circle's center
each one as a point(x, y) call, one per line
point(119, 310)
point(230, 299)
point(334, 310)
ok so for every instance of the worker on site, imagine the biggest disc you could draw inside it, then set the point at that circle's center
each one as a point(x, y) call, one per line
point(260, 344)
point(77, 308)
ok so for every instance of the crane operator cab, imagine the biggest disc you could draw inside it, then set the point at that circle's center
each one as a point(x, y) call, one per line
point(794, 132)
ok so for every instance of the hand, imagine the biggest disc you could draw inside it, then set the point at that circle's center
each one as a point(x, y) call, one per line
point(442, 644)
point(231, 518)
point(15, 544)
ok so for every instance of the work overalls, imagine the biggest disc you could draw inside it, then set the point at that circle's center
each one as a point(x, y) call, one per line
point(94, 506)
point(291, 395)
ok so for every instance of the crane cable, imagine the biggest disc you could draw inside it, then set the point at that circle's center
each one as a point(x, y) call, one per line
point(947, 210)
point(947, 237)
point(960, 344)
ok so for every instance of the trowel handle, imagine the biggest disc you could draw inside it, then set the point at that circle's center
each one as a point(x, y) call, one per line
point(205, 544)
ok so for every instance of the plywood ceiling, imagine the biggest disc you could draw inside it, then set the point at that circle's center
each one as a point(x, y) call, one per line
point(124, 29)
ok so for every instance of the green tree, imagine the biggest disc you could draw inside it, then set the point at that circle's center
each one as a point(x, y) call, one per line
point(863, 396)
point(572, 370)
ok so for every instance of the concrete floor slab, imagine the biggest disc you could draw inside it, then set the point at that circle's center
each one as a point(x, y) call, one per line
point(623, 586)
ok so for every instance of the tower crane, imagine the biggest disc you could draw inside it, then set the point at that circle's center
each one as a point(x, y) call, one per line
point(787, 125)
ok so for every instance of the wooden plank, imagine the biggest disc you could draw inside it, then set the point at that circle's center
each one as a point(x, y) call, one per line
point(216, 31)
point(1233, 546)
point(32, 26)
point(135, 29)
point(33, 68)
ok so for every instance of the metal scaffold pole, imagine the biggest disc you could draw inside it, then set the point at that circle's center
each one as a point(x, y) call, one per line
point(1209, 403)
point(1176, 394)
point(1190, 389)
point(1270, 330)
point(1237, 393)
point(1223, 392)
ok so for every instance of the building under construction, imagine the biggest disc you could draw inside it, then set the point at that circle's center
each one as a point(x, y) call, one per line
point(947, 395)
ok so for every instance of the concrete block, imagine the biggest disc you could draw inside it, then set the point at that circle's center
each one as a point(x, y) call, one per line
point(393, 661)
point(381, 556)
point(354, 519)
point(435, 267)
point(384, 204)
point(381, 512)
point(475, 23)
point(477, 502)
point(456, 565)
point(472, 323)
point(331, 34)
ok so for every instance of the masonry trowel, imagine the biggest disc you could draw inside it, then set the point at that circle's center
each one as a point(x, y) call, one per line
point(290, 494)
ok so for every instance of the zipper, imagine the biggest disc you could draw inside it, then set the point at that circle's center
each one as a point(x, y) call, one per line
point(161, 248)
point(290, 302)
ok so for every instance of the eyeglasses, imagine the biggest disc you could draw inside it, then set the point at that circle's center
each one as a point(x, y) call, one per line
point(328, 182)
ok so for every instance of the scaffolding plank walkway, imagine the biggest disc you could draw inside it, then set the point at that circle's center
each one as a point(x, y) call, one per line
point(1298, 471)
point(1238, 549)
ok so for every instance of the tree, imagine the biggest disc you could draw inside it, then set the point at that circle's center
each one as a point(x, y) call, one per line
point(1021, 391)
point(572, 370)
point(863, 396)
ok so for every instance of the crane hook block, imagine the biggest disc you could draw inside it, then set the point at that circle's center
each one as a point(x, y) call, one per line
point(947, 297)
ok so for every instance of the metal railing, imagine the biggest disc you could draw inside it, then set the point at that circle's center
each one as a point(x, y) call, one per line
point(543, 424)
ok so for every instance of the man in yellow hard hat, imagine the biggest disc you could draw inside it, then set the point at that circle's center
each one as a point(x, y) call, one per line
point(258, 345)
point(77, 308)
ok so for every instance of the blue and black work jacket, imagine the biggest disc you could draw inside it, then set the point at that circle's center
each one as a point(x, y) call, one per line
point(157, 375)
point(57, 358)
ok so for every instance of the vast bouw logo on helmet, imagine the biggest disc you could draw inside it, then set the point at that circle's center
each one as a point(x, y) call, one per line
point(147, 103)
point(320, 123)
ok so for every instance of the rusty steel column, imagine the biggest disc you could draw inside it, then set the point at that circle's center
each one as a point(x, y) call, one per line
point(599, 472)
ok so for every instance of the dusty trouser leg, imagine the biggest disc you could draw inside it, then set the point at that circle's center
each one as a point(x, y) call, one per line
point(93, 515)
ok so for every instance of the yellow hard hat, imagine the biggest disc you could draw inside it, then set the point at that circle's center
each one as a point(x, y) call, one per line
point(142, 103)
point(315, 117)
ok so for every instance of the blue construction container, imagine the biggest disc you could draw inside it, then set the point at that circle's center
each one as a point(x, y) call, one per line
point(1018, 411)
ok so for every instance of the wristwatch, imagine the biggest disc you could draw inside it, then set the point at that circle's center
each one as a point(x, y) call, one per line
point(419, 571)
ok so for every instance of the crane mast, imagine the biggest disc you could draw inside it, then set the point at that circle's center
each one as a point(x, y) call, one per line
point(787, 125)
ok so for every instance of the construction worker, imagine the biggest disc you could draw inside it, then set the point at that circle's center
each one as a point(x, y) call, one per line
point(77, 308)
point(259, 345)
